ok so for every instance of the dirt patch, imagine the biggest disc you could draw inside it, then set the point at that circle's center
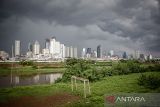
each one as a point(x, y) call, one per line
point(55, 100)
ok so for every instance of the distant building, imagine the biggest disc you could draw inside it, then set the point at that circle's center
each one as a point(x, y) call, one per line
point(111, 53)
point(62, 51)
point(124, 55)
point(94, 54)
point(29, 54)
point(67, 51)
point(17, 47)
point(47, 43)
point(57, 47)
point(150, 57)
point(131, 56)
point(36, 48)
point(99, 51)
point(71, 52)
point(30, 47)
point(4, 55)
point(142, 57)
point(88, 51)
point(104, 55)
point(83, 52)
point(75, 52)
point(45, 51)
point(52, 46)
point(136, 55)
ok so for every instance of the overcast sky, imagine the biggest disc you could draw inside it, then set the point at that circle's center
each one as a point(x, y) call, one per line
point(120, 25)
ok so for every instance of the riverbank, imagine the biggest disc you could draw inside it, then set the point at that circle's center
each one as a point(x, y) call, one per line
point(28, 70)
point(108, 85)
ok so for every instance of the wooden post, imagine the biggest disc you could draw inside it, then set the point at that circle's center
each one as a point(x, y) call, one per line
point(76, 83)
point(89, 87)
point(84, 89)
point(11, 73)
point(72, 83)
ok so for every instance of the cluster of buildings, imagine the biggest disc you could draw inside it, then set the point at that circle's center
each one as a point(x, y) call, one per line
point(54, 50)
point(4, 55)
point(99, 54)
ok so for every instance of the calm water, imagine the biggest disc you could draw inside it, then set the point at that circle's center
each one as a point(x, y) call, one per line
point(8, 81)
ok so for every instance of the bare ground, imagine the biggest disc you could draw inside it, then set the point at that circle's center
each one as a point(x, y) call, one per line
point(56, 100)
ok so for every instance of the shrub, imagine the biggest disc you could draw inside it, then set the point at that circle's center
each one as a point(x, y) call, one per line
point(150, 81)
point(80, 68)
point(26, 63)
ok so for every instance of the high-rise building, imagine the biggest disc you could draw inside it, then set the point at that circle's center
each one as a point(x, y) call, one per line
point(30, 47)
point(142, 57)
point(36, 48)
point(150, 57)
point(104, 53)
point(83, 52)
point(57, 48)
point(136, 55)
point(52, 45)
point(124, 55)
point(94, 54)
point(47, 43)
point(99, 51)
point(62, 51)
point(89, 50)
point(67, 51)
point(71, 52)
point(45, 51)
point(3, 55)
point(75, 52)
point(111, 53)
point(17, 47)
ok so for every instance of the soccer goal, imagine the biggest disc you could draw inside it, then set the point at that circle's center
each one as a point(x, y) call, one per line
point(86, 85)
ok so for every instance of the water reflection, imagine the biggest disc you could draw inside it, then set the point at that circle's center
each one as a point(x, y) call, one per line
point(29, 80)
point(36, 79)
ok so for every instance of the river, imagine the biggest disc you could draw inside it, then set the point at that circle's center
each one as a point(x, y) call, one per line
point(8, 81)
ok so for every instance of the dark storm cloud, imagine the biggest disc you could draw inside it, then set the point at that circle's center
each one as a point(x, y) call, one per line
point(114, 23)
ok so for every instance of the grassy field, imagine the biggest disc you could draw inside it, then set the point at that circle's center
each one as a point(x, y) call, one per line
point(108, 85)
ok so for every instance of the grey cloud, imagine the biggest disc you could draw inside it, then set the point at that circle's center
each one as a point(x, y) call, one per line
point(83, 22)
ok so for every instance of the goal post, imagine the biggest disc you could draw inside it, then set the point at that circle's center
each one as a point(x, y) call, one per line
point(86, 85)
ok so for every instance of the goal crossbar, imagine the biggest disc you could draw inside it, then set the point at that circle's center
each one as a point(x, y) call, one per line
point(85, 84)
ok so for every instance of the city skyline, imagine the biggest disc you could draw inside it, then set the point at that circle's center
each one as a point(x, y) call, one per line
point(53, 50)
point(120, 25)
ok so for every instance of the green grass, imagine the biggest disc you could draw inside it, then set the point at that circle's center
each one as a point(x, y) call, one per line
point(36, 90)
point(108, 85)
point(117, 84)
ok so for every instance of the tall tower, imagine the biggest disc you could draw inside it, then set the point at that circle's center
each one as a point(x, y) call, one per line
point(62, 53)
point(36, 48)
point(17, 47)
point(99, 51)
point(89, 50)
point(52, 46)
point(30, 48)
point(47, 43)
point(137, 54)
point(83, 52)
point(67, 51)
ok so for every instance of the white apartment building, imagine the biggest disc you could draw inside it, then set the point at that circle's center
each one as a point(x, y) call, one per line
point(17, 47)
point(36, 48)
